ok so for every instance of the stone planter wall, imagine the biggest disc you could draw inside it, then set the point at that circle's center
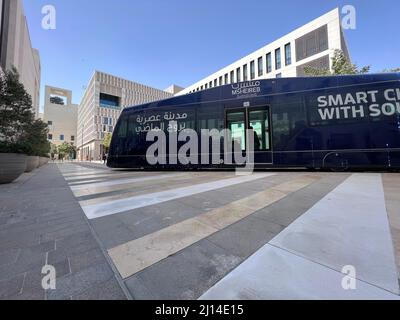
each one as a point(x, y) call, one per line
point(12, 165)
point(32, 162)
point(43, 161)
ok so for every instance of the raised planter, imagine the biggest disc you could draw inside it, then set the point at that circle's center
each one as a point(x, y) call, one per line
point(43, 161)
point(12, 165)
point(32, 162)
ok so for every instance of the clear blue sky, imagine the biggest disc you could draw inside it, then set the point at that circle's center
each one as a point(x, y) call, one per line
point(179, 41)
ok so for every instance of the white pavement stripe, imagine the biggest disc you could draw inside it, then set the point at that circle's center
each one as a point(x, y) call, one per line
point(275, 274)
point(136, 255)
point(349, 226)
point(100, 175)
point(116, 206)
point(76, 174)
point(115, 182)
point(84, 182)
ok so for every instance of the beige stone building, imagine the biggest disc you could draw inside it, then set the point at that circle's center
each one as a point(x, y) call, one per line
point(16, 48)
point(311, 45)
point(61, 115)
point(105, 97)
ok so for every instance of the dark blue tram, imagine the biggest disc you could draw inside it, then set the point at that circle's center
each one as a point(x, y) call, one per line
point(337, 122)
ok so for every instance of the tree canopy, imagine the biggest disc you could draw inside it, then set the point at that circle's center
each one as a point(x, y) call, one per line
point(19, 131)
point(107, 141)
point(340, 65)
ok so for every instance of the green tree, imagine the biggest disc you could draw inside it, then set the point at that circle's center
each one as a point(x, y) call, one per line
point(15, 113)
point(391, 70)
point(35, 139)
point(66, 149)
point(340, 65)
point(53, 150)
point(107, 142)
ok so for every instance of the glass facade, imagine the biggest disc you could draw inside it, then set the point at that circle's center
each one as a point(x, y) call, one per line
point(260, 66)
point(278, 62)
point(109, 101)
point(268, 63)
point(238, 77)
point(288, 54)
point(252, 70)
point(245, 74)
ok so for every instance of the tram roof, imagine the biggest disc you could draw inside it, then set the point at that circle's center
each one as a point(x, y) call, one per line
point(269, 87)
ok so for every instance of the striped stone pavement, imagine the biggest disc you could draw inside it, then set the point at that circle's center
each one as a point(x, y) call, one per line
point(268, 235)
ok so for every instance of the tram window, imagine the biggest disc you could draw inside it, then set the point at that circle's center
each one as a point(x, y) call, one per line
point(259, 121)
point(237, 126)
point(122, 130)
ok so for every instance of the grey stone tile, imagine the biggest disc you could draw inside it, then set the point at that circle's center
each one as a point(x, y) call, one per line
point(109, 290)
point(56, 235)
point(77, 283)
point(25, 262)
point(117, 229)
point(9, 256)
point(185, 275)
point(11, 287)
point(287, 210)
point(246, 236)
point(86, 259)
point(32, 288)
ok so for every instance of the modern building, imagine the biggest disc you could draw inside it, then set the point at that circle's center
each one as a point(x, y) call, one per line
point(61, 115)
point(310, 45)
point(16, 48)
point(105, 97)
point(173, 89)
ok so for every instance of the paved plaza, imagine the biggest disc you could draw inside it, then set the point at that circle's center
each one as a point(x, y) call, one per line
point(116, 234)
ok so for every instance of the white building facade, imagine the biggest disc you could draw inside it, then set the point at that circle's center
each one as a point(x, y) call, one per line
point(104, 99)
point(61, 115)
point(16, 48)
point(310, 45)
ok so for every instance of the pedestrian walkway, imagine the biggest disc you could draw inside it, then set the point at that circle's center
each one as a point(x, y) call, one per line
point(42, 223)
point(208, 234)
point(177, 235)
point(348, 227)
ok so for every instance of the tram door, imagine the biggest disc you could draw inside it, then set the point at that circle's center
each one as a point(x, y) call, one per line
point(255, 121)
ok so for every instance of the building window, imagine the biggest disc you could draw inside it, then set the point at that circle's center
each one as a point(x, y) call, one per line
point(260, 66)
point(279, 75)
point(268, 63)
point(215, 82)
point(110, 128)
point(245, 76)
point(72, 138)
point(210, 84)
point(201, 87)
point(312, 43)
point(220, 80)
point(252, 70)
point(105, 120)
point(288, 54)
point(50, 136)
point(206, 85)
point(61, 137)
point(238, 77)
point(226, 78)
point(109, 101)
point(232, 76)
point(50, 123)
point(278, 63)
